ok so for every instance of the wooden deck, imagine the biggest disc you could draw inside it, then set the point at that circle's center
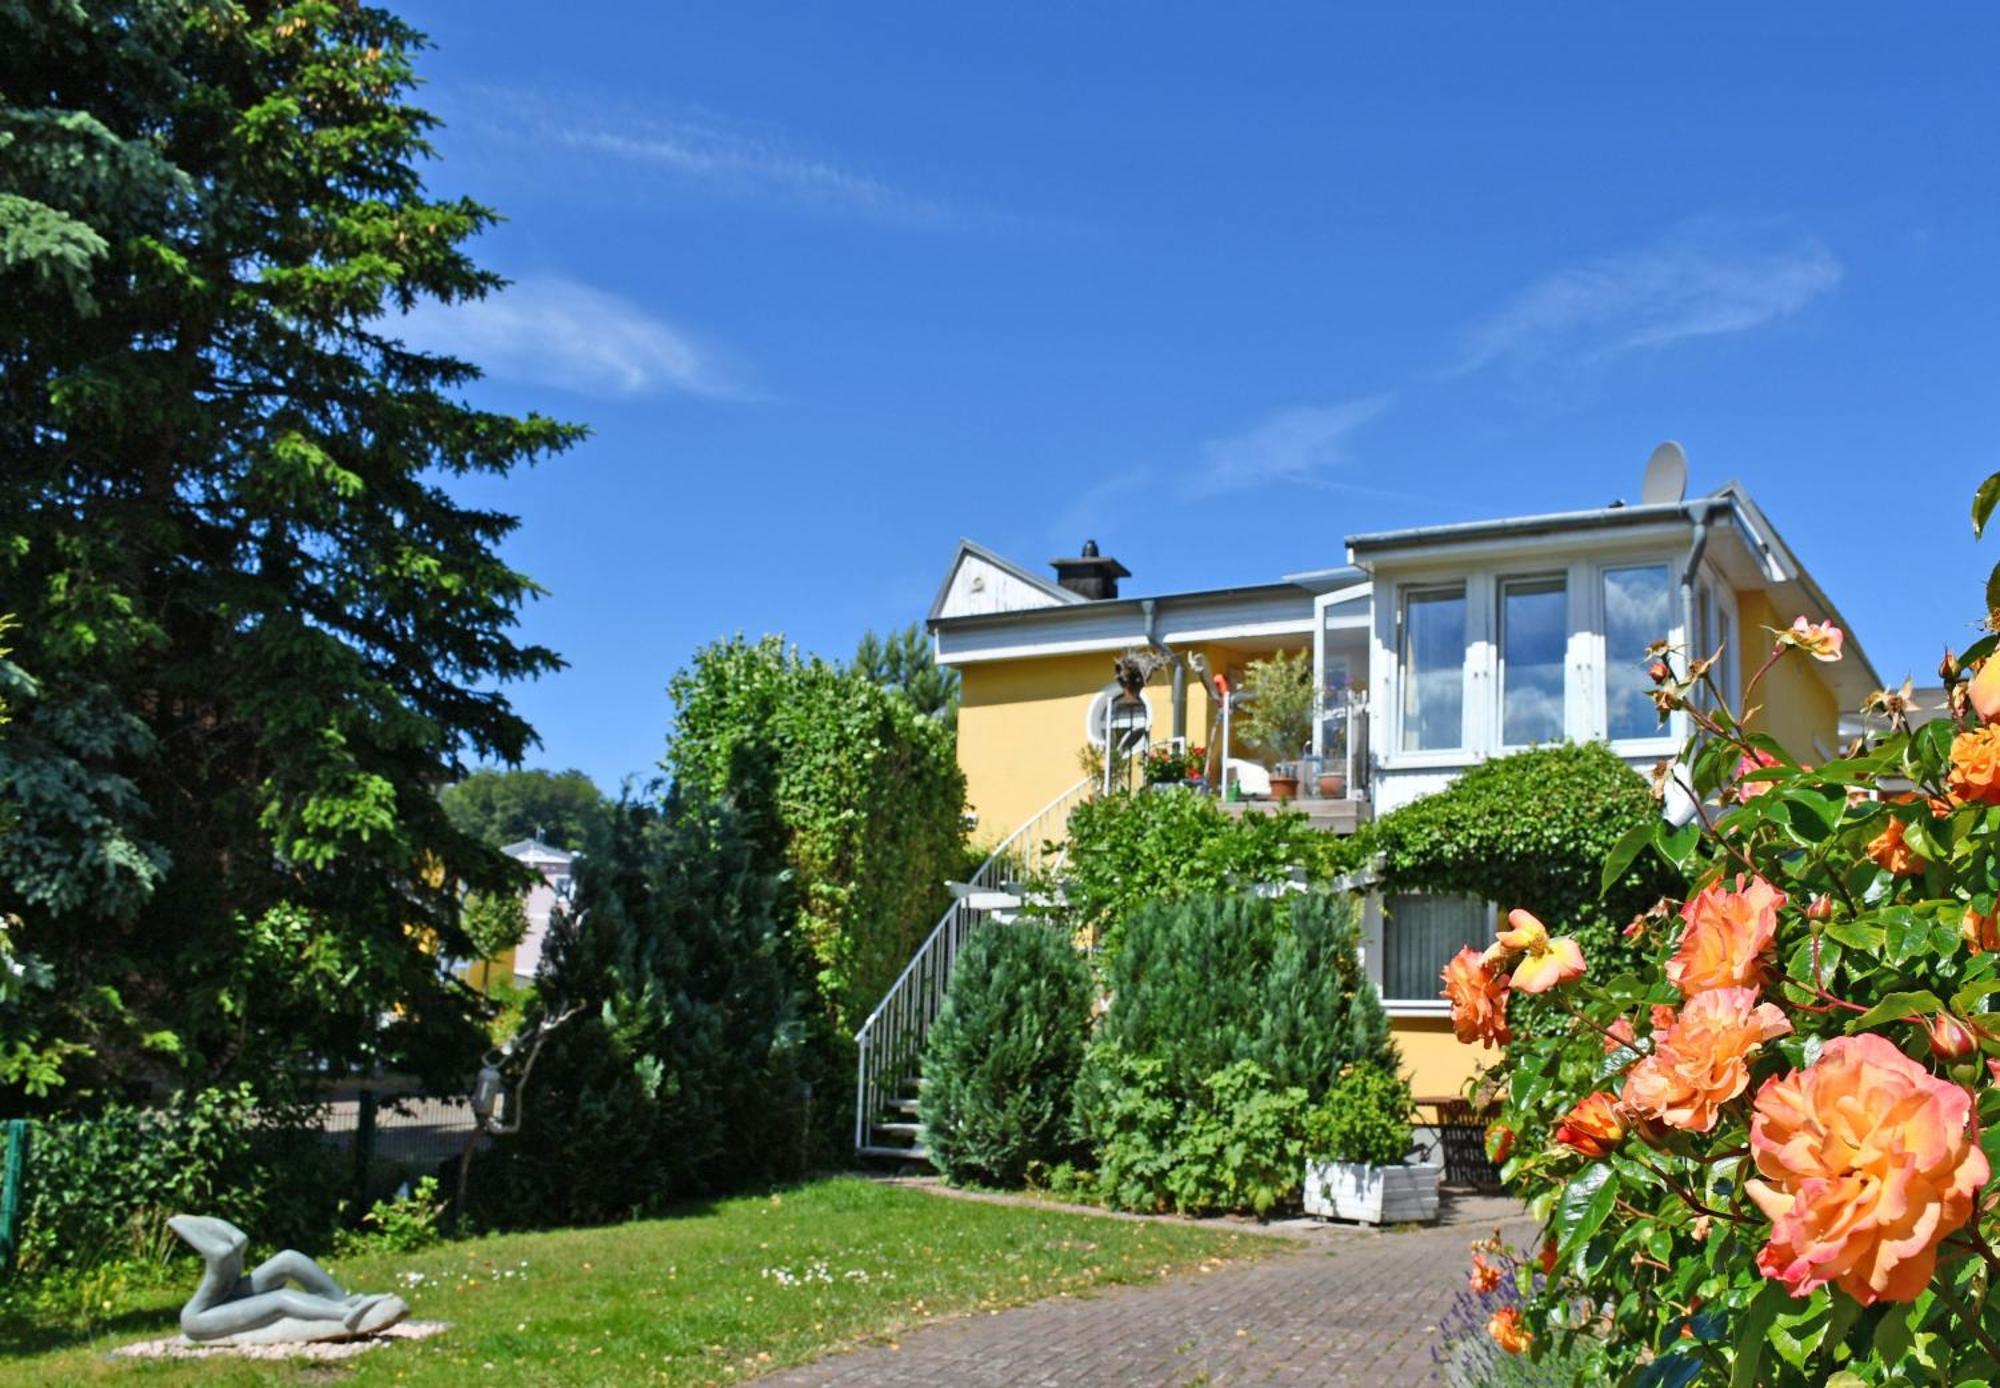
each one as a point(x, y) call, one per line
point(1334, 816)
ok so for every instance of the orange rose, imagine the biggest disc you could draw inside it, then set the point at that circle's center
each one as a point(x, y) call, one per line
point(1545, 962)
point(1981, 932)
point(1867, 1165)
point(1507, 1331)
point(1984, 691)
point(1478, 997)
point(1547, 1260)
point(1702, 1061)
point(1975, 766)
point(1593, 1127)
point(1892, 854)
point(1499, 1143)
point(1485, 1277)
point(1728, 939)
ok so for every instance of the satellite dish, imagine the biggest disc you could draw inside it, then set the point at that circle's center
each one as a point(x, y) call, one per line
point(1666, 476)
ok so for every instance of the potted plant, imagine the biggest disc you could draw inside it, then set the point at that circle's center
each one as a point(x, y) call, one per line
point(1278, 701)
point(1357, 1142)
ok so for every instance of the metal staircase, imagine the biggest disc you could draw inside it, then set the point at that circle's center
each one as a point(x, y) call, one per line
point(891, 1041)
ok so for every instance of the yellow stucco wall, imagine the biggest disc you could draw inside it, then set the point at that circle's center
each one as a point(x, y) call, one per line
point(1797, 706)
point(1020, 730)
point(1436, 1062)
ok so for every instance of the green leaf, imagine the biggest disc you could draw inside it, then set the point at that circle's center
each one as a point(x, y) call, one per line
point(1983, 502)
point(1752, 1331)
point(1586, 1201)
point(1964, 999)
point(1896, 1007)
point(1624, 851)
point(1677, 845)
point(1855, 934)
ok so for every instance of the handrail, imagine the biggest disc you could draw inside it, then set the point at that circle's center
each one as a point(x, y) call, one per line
point(911, 1004)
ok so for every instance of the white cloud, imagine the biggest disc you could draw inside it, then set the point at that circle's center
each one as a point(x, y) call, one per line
point(1704, 279)
point(1294, 445)
point(748, 163)
point(553, 331)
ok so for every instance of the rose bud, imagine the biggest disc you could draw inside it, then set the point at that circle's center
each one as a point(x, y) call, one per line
point(1950, 1038)
point(1820, 908)
point(1499, 1143)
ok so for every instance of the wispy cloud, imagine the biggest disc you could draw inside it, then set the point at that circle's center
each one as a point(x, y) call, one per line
point(1299, 444)
point(717, 155)
point(1707, 278)
point(556, 332)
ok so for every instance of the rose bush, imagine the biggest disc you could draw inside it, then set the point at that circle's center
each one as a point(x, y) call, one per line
point(1766, 1155)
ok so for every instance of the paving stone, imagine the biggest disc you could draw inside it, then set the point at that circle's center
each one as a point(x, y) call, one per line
point(1350, 1308)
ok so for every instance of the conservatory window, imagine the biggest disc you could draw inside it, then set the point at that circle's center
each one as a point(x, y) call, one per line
point(1534, 641)
point(1638, 611)
point(1433, 661)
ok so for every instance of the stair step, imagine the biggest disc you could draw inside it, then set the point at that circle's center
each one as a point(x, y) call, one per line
point(910, 1154)
point(908, 1106)
point(909, 1130)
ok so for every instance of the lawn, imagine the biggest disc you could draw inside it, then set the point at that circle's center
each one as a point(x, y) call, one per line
point(714, 1295)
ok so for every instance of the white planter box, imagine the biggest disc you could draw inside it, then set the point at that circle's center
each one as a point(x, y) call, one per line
point(1372, 1194)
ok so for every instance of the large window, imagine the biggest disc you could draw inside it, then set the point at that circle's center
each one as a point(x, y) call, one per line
point(1433, 661)
point(1534, 643)
point(1638, 610)
point(1420, 934)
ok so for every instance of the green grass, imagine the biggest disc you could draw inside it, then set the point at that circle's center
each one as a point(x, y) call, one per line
point(716, 1294)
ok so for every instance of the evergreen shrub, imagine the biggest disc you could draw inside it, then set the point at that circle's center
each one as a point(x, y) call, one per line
point(1001, 1061)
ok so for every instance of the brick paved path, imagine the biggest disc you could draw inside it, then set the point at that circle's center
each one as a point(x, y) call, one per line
point(1353, 1308)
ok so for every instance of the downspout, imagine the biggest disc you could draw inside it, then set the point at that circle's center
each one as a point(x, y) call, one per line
point(1179, 665)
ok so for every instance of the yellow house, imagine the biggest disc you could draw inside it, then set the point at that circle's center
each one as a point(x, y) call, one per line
point(1446, 645)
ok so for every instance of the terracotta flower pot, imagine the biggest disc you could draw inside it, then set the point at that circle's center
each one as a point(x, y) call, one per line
point(1333, 785)
point(1284, 787)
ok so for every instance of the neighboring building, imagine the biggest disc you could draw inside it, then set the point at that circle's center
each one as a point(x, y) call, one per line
point(554, 865)
point(1452, 644)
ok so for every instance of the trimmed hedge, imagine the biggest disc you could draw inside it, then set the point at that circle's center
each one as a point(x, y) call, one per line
point(1001, 1061)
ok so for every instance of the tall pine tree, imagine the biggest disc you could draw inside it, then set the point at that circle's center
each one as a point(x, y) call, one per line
point(257, 631)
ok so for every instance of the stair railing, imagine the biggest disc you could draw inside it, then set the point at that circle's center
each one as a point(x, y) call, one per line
point(891, 1041)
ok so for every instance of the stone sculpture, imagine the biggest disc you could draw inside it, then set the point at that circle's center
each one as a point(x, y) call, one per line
point(230, 1308)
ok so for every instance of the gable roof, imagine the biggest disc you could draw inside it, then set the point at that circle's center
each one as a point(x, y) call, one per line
point(1040, 591)
point(535, 851)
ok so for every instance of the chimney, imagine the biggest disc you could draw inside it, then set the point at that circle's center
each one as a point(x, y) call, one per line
point(1090, 575)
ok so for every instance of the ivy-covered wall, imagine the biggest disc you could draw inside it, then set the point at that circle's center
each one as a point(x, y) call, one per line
point(847, 785)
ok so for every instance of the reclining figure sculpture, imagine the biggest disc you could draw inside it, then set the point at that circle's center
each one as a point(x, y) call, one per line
point(229, 1308)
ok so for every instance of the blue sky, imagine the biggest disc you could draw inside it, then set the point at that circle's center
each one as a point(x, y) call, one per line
point(836, 285)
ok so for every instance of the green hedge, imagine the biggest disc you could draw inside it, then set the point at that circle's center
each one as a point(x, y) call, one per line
point(860, 797)
point(100, 1189)
point(1001, 1061)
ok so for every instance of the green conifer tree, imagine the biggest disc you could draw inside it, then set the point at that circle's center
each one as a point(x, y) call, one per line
point(258, 630)
point(1001, 1061)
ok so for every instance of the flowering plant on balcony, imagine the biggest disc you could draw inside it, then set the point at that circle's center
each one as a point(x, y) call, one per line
point(1170, 765)
point(1765, 1155)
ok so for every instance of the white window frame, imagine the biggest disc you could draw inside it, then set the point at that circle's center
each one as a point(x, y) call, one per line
point(1667, 741)
point(1586, 683)
point(1361, 621)
point(1468, 589)
point(1374, 922)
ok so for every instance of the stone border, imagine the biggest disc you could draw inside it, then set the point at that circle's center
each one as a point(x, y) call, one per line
point(316, 1351)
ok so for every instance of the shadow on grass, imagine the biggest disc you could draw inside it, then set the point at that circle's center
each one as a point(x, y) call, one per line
point(23, 1335)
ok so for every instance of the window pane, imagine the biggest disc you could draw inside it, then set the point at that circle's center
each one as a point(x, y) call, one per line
point(1433, 659)
point(1534, 642)
point(1637, 612)
point(1420, 934)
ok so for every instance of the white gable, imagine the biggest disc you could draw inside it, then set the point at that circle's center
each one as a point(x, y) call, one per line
point(978, 587)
